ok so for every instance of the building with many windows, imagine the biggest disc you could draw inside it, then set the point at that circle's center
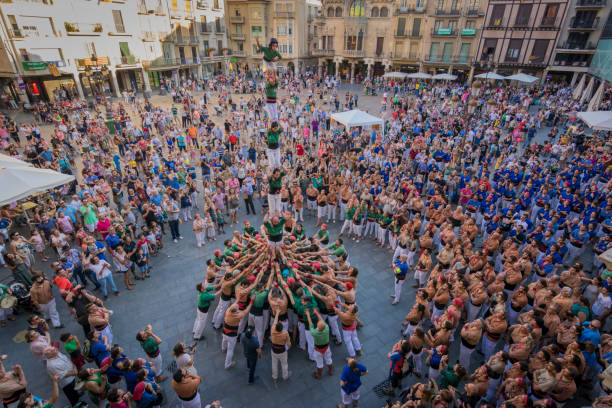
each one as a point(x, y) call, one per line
point(106, 47)
point(291, 22)
point(520, 35)
point(360, 38)
point(580, 34)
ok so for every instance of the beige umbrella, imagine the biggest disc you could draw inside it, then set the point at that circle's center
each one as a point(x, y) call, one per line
point(580, 87)
point(596, 99)
point(588, 91)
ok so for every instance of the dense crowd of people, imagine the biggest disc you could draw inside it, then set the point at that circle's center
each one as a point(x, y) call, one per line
point(497, 230)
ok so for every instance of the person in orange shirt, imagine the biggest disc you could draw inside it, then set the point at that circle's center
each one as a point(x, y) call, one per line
point(193, 135)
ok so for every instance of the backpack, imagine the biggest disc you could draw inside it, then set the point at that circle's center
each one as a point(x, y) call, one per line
point(87, 351)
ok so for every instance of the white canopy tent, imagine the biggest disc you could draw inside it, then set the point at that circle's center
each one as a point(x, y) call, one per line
point(597, 120)
point(356, 117)
point(489, 75)
point(579, 87)
point(445, 77)
point(419, 75)
point(8, 161)
point(23, 181)
point(521, 77)
point(396, 75)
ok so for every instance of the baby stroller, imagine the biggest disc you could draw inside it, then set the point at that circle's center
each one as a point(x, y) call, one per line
point(22, 293)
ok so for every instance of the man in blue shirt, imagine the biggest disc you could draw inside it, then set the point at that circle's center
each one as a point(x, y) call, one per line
point(590, 332)
point(350, 381)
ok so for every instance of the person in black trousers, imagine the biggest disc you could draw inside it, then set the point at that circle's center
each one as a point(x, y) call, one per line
point(247, 194)
point(252, 351)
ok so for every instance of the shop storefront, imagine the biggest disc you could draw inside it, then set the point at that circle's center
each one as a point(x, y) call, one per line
point(49, 85)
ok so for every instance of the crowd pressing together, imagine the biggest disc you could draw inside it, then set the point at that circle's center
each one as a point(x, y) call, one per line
point(497, 227)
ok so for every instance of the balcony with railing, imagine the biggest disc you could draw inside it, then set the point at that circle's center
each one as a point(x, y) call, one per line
point(448, 13)
point(418, 7)
point(163, 62)
point(473, 12)
point(238, 53)
point(284, 14)
point(443, 32)
point(16, 33)
point(202, 5)
point(148, 36)
point(353, 21)
point(581, 24)
point(353, 53)
point(238, 36)
point(186, 40)
point(577, 47)
point(126, 60)
point(237, 19)
point(83, 28)
point(548, 22)
point(322, 53)
point(593, 4)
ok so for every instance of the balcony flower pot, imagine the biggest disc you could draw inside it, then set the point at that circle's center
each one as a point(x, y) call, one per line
point(70, 28)
point(98, 28)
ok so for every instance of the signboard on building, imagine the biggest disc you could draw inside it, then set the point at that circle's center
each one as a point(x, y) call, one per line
point(33, 65)
point(444, 31)
point(468, 31)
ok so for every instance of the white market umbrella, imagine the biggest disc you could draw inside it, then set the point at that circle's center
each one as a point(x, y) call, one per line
point(490, 75)
point(596, 99)
point(8, 161)
point(597, 120)
point(521, 77)
point(588, 91)
point(445, 77)
point(419, 75)
point(20, 182)
point(396, 75)
point(580, 87)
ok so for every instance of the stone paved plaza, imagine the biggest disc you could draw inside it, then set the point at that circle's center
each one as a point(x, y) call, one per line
point(168, 302)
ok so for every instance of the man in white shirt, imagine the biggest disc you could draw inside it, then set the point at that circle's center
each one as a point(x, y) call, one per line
point(60, 365)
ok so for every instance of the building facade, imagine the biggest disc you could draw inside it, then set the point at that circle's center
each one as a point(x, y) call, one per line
point(104, 47)
point(520, 35)
point(359, 38)
point(291, 22)
point(579, 37)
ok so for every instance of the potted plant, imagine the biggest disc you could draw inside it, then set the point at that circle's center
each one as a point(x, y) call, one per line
point(70, 28)
point(98, 28)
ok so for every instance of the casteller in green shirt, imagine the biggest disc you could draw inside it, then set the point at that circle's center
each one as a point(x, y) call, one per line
point(338, 250)
point(275, 232)
point(150, 346)
point(205, 299)
point(321, 338)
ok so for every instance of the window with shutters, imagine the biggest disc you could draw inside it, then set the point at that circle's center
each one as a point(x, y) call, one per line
point(488, 50)
point(523, 14)
point(514, 50)
point(416, 27)
point(401, 26)
point(538, 54)
point(550, 14)
point(118, 19)
point(434, 51)
point(497, 15)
